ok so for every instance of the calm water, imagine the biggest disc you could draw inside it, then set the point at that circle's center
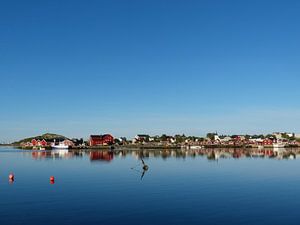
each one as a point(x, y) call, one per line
point(179, 188)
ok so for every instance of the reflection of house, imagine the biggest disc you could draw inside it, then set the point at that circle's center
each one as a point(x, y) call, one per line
point(101, 155)
point(105, 139)
point(51, 154)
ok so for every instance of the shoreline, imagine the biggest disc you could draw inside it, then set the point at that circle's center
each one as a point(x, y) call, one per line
point(155, 147)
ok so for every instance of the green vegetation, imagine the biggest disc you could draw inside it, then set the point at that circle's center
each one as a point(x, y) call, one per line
point(290, 138)
point(180, 138)
point(211, 136)
point(46, 137)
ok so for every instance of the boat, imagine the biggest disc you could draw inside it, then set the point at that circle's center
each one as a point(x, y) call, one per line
point(61, 145)
point(192, 147)
point(195, 147)
point(278, 145)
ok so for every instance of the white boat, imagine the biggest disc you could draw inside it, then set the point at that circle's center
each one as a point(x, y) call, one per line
point(278, 145)
point(192, 147)
point(61, 145)
point(195, 147)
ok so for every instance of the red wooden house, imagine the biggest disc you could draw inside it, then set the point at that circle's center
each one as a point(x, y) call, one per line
point(267, 142)
point(105, 139)
point(35, 142)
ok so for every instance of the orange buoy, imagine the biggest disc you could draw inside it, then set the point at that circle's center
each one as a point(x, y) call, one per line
point(11, 176)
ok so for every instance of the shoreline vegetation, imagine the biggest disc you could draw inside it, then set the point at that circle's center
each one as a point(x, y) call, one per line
point(151, 147)
point(144, 141)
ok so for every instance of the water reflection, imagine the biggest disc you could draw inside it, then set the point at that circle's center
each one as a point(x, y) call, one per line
point(141, 168)
point(53, 154)
point(105, 156)
point(210, 154)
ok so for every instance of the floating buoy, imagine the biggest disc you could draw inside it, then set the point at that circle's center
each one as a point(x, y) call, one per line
point(52, 179)
point(145, 167)
point(11, 177)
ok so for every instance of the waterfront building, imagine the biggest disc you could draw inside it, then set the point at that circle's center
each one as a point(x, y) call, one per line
point(142, 138)
point(297, 136)
point(105, 139)
point(69, 143)
point(35, 142)
point(268, 142)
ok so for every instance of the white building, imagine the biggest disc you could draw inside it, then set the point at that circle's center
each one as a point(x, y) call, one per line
point(297, 135)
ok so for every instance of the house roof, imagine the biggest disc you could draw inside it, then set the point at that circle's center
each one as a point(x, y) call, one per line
point(143, 135)
point(100, 136)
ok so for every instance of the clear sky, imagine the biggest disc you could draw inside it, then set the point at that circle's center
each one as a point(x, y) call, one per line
point(149, 66)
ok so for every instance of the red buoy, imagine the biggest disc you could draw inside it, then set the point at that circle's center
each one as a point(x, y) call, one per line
point(52, 179)
point(11, 177)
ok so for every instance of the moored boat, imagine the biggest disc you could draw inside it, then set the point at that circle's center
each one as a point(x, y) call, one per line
point(195, 147)
point(61, 145)
point(278, 145)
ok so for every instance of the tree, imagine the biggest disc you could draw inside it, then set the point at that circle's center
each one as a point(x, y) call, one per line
point(117, 141)
point(270, 136)
point(247, 136)
point(288, 137)
point(164, 137)
point(180, 138)
point(211, 136)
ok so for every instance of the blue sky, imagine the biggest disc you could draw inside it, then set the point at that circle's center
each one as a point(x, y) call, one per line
point(127, 67)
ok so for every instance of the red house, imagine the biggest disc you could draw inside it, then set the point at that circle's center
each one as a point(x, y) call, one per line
point(267, 142)
point(35, 142)
point(105, 139)
point(43, 143)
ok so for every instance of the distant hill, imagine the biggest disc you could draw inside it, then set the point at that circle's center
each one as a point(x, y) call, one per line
point(47, 137)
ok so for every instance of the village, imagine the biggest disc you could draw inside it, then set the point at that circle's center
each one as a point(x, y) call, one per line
point(211, 140)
